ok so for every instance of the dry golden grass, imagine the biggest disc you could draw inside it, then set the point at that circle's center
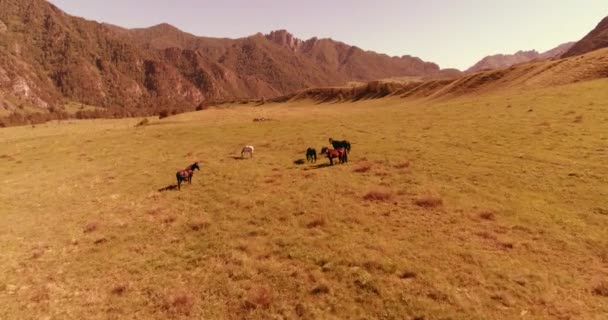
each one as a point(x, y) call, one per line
point(521, 232)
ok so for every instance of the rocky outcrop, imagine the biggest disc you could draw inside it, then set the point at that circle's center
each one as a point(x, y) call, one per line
point(286, 39)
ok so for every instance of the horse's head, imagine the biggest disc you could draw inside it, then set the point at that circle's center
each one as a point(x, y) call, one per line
point(324, 150)
point(331, 140)
point(195, 166)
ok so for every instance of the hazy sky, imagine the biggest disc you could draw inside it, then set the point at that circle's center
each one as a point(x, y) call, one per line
point(452, 33)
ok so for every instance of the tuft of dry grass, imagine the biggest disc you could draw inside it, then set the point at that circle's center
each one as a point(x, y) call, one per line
point(119, 289)
point(100, 240)
point(487, 215)
point(363, 167)
point(601, 289)
point(91, 227)
point(259, 297)
point(379, 194)
point(198, 224)
point(143, 122)
point(316, 223)
point(407, 275)
point(429, 199)
point(403, 165)
point(179, 303)
point(320, 289)
point(169, 219)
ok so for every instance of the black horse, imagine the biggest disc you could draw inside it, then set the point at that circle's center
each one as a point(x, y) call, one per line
point(311, 155)
point(186, 174)
point(341, 144)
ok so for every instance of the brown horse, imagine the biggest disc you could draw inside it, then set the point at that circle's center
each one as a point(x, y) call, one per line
point(332, 154)
point(186, 174)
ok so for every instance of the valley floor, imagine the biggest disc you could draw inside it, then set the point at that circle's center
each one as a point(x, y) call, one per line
point(489, 207)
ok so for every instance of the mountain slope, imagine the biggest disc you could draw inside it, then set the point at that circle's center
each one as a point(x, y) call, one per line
point(507, 60)
point(596, 39)
point(48, 58)
point(532, 75)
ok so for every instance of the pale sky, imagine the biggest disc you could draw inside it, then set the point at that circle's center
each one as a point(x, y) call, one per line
point(454, 33)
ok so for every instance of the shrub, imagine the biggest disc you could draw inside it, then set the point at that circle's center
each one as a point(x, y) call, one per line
point(198, 224)
point(403, 165)
point(163, 114)
point(318, 222)
point(119, 289)
point(143, 122)
point(378, 195)
point(259, 297)
point(407, 275)
point(429, 200)
point(487, 215)
point(90, 227)
point(363, 167)
point(601, 289)
point(179, 303)
point(202, 106)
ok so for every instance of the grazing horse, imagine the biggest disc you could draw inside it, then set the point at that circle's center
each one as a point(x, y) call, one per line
point(247, 150)
point(341, 144)
point(186, 174)
point(334, 153)
point(311, 155)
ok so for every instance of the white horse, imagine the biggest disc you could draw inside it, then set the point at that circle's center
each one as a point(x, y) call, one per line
point(247, 150)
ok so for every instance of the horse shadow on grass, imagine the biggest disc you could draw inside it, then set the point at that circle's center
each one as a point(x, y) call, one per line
point(168, 188)
point(299, 162)
point(237, 158)
point(318, 166)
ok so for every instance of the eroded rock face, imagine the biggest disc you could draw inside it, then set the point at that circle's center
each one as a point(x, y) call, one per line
point(284, 38)
point(3, 27)
point(21, 88)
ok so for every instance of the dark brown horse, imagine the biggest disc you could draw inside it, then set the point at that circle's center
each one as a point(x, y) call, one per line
point(186, 174)
point(337, 144)
point(332, 154)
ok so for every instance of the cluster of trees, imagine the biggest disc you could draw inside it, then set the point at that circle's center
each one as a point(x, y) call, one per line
point(18, 118)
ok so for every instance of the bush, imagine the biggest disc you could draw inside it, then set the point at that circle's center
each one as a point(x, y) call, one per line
point(429, 200)
point(163, 114)
point(202, 106)
point(143, 122)
point(363, 167)
point(378, 195)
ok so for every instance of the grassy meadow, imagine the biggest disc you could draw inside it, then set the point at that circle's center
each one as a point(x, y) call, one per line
point(484, 207)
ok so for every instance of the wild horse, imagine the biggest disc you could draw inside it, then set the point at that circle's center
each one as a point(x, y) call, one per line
point(332, 154)
point(344, 144)
point(186, 174)
point(311, 155)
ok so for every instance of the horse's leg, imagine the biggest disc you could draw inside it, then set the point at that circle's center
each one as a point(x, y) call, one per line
point(179, 183)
